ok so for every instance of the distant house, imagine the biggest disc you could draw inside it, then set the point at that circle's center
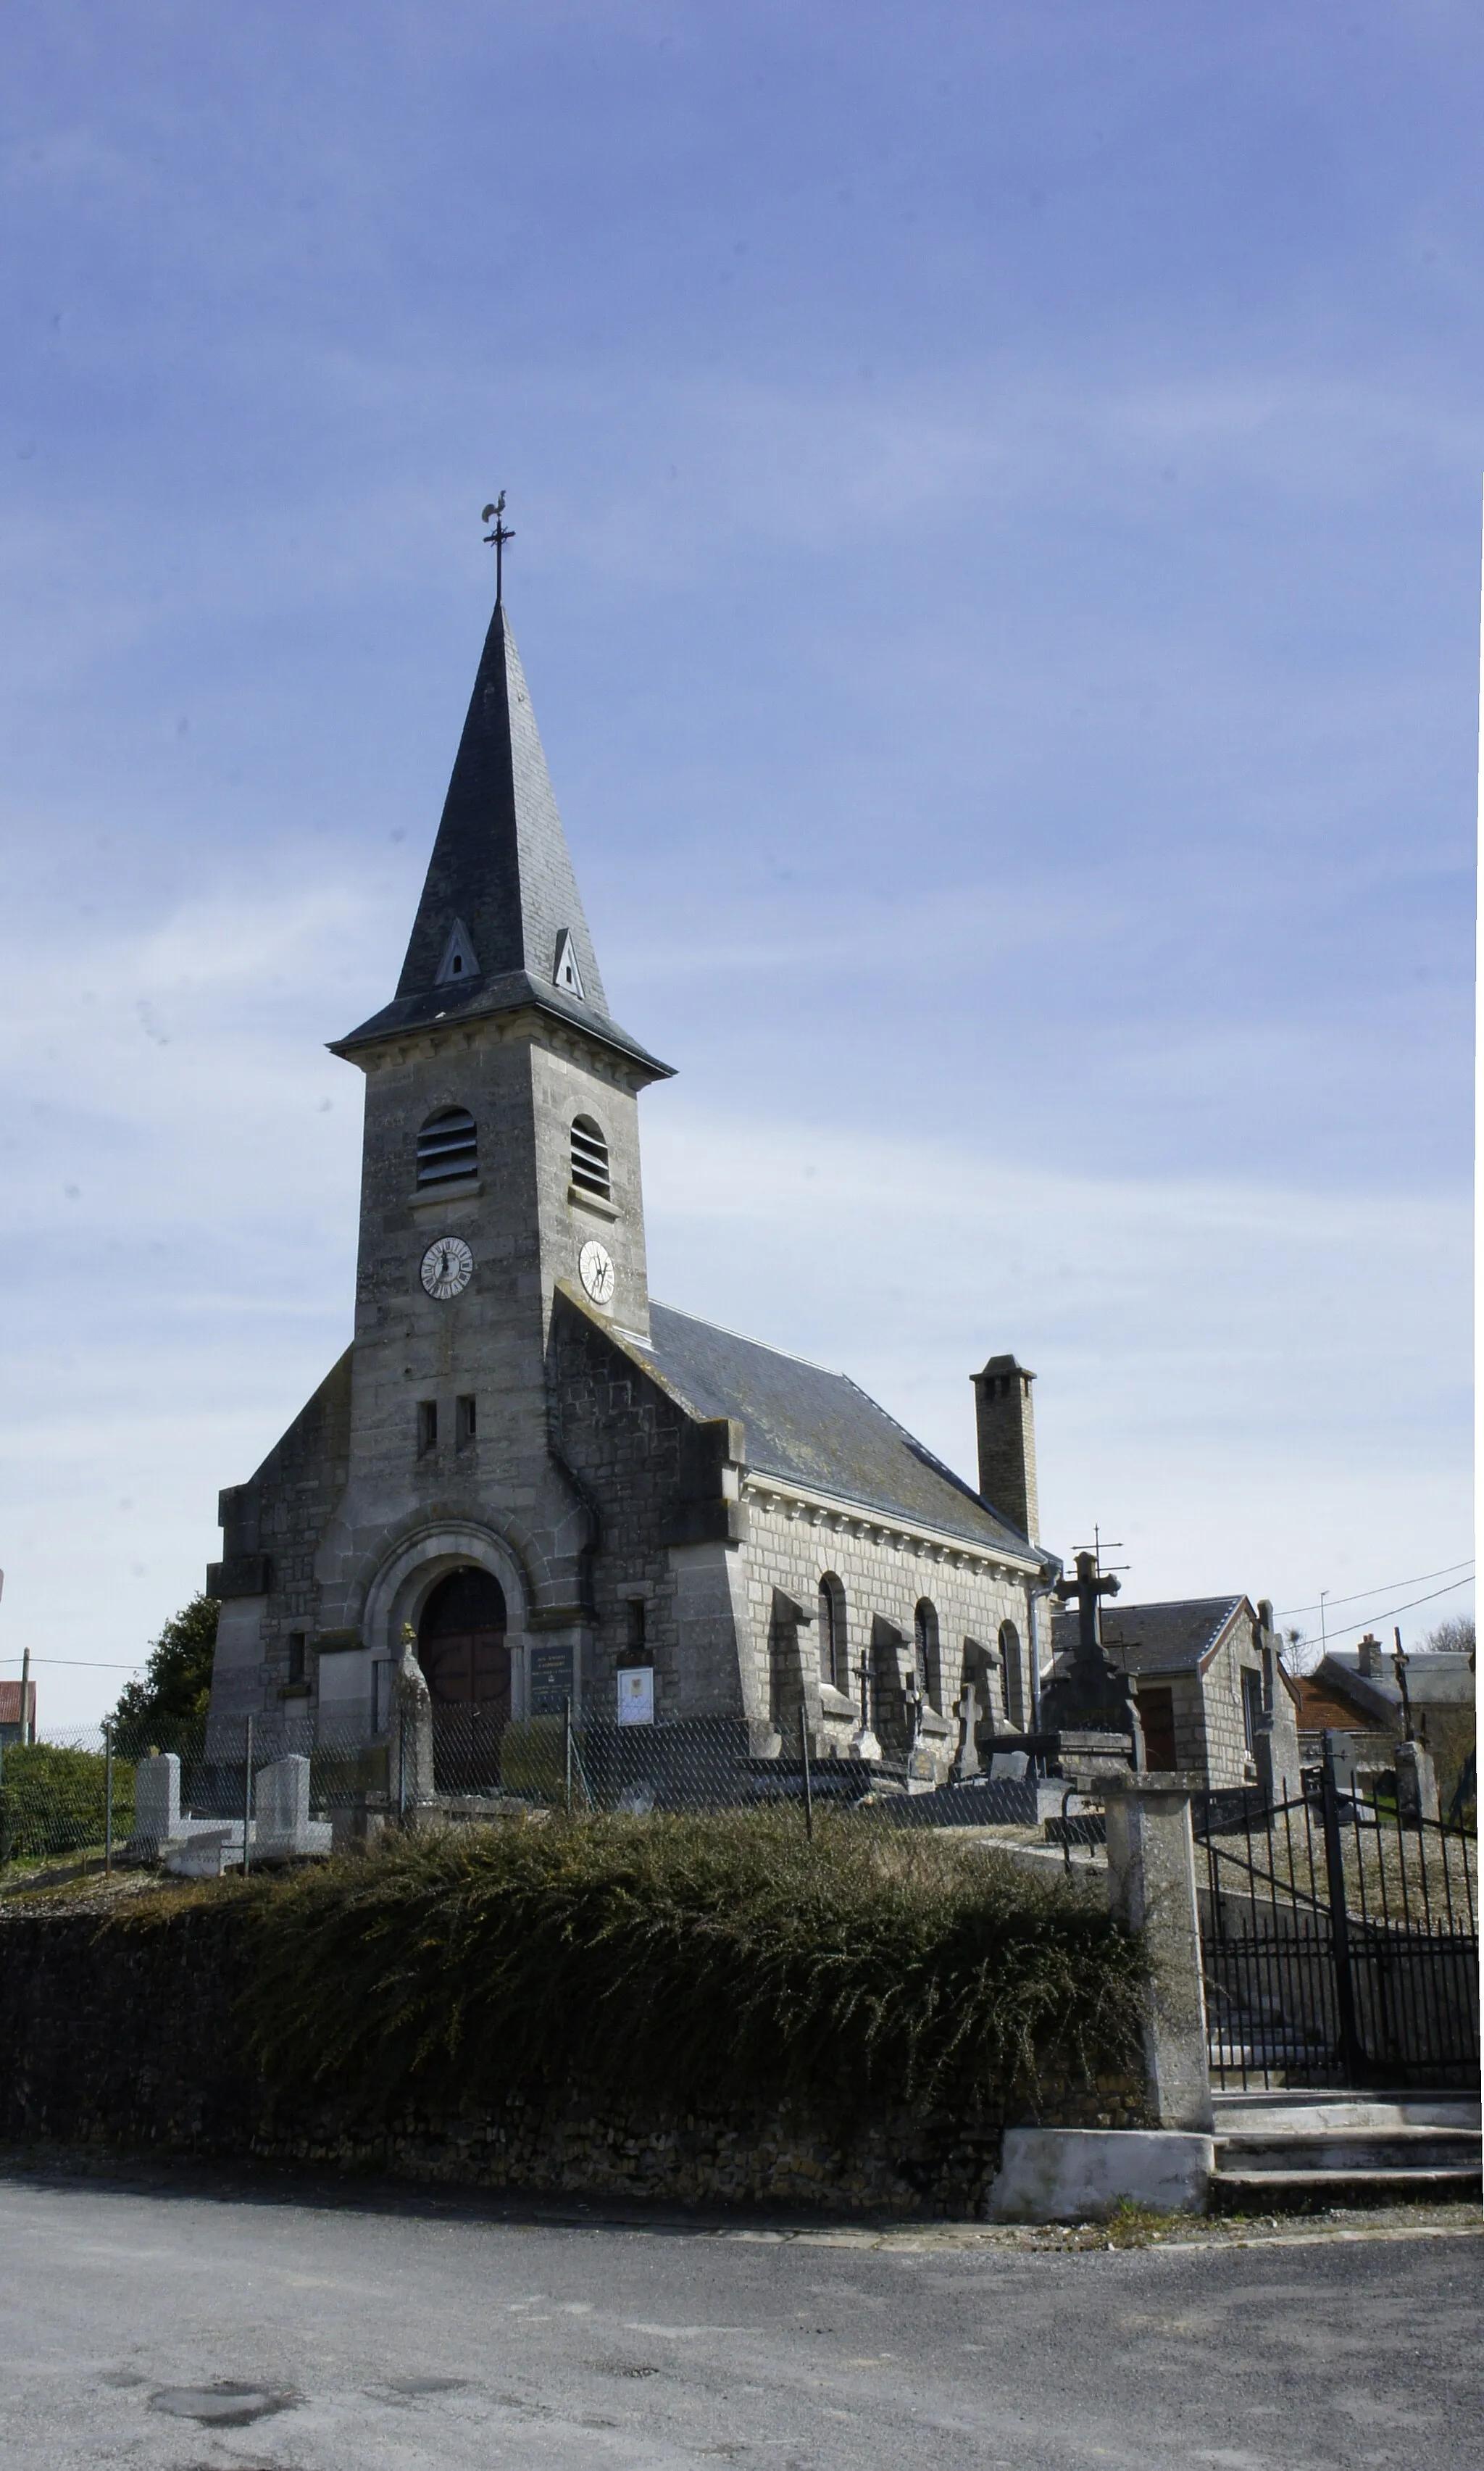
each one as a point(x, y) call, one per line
point(1212, 1691)
point(10, 1712)
point(1354, 1692)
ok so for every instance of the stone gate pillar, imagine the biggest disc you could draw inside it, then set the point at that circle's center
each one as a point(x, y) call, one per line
point(1151, 1888)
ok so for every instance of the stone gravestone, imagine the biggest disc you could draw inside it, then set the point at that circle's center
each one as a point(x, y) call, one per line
point(1417, 1784)
point(284, 1831)
point(966, 1762)
point(156, 1802)
point(1088, 1700)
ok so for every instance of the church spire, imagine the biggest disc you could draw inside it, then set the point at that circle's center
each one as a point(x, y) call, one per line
point(501, 923)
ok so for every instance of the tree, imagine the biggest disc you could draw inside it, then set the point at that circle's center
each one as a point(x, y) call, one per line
point(170, 1698)
point(1452, 1637)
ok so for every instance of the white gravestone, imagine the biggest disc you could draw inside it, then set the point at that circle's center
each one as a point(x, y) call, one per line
point(284, 1830)
point(156, 1801)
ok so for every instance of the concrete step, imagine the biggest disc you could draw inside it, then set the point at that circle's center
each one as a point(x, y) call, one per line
point(1275, 2192)
point(1297, 2150)
point(1270, 2150)
point(1304, 2111)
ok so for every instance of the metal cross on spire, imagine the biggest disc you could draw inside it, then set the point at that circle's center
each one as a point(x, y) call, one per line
point(497, 539)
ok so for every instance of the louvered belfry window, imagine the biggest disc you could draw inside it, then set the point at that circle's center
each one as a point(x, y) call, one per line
point(590, 1158)
point(447, 1148)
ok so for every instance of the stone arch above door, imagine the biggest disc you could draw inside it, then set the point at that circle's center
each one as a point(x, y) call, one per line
point(406, 1577)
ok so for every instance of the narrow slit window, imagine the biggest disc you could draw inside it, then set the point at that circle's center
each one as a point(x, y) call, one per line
point(448, 1147)
point(297, 1643)
point(834, 1661)
point(1012, 1677)
point(925, 1650)
point(590, 1158)
point(1252, 1706)
point(466, 1421)
point(427, 1426)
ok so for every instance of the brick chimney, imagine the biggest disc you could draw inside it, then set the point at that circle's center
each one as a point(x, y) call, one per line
point(1007, 1442)
point(1369, 1654)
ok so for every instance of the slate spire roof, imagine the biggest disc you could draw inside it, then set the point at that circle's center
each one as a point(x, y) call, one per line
point(501, 922)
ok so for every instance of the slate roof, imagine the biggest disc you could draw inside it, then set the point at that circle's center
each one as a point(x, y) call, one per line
point(500, 869)
point(1174, 1637)
point(1440, 1680)
point(819, 1428)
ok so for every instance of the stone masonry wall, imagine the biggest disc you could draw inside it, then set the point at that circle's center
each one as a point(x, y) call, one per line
point(884, 1576)
point(1227, 1760)
point(625, 1438)
point(133, 2039)
point(279, 1513)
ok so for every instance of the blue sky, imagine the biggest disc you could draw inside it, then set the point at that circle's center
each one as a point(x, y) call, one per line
point(998, 566)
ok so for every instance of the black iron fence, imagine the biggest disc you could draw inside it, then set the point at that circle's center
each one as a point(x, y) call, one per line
point(1339, 1942)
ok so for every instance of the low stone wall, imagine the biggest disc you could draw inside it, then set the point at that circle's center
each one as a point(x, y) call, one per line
point(132, 2038)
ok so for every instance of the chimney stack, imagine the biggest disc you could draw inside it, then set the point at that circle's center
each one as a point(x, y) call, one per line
point(1007, 1442)
point(1371, 1660)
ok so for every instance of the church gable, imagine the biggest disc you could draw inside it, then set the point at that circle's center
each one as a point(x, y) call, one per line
point(271, 1525)
point(657, 1469)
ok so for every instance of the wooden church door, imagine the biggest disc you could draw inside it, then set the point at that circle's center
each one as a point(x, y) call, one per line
point(462, 1651)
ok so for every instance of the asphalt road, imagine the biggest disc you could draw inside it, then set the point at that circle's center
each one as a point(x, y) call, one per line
point(191, 2322)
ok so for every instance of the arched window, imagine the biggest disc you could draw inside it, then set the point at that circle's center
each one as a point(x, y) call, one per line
point(834, 1647)
point(590, 1158)
point(925, 1650)
point(447, 1146)
point(1012, 1675)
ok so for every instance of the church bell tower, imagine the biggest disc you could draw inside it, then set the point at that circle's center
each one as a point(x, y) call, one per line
point(501, 1164)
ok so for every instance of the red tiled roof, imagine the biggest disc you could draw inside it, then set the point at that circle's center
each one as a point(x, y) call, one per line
point(1321, 1706)
point(10, 1702)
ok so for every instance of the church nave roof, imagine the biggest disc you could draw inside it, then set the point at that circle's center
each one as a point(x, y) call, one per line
point(819, 1428)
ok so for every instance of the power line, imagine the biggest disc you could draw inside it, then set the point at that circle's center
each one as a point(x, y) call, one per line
point(1389, 1613)
point(91, 1663)
point(1417, 1579)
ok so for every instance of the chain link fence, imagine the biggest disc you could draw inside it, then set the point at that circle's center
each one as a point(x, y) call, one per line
point(224, 1793)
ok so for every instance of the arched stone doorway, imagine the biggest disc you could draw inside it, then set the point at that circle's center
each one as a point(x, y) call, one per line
point(462, 1651)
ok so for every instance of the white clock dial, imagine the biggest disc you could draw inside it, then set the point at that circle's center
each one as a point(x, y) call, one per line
point(447, 1267)
point(594, 1267)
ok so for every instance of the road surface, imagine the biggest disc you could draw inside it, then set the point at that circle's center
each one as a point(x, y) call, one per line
point(194, 2319)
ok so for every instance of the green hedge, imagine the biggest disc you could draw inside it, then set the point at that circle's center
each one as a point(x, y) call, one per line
point(53, 1800)
point(692, 1960)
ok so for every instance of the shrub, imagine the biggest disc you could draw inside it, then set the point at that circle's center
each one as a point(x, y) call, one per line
point(53, 1800)
point(699, 1962)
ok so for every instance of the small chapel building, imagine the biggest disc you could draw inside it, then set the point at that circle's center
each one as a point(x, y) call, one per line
point(550, 1476)
point(1213, 1698)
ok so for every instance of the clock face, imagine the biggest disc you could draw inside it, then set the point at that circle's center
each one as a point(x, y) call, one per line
point(594, 1267)
point(447, 1267)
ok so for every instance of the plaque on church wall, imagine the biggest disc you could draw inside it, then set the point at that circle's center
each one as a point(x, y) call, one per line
point(636, 1695)
point(550, 1679)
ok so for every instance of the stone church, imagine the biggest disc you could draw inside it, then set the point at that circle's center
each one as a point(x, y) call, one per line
point(566, 1488)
